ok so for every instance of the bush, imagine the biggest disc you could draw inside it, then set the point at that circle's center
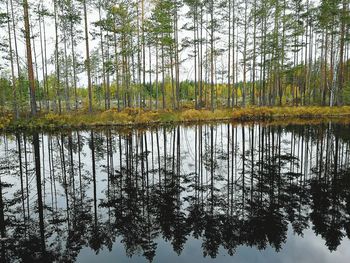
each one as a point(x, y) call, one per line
point(193, 115)
point(147, 117)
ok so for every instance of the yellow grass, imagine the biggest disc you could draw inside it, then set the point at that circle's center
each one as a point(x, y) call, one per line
point(139, 117)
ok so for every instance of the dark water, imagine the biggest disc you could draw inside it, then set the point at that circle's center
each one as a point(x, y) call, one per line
point(212, 193)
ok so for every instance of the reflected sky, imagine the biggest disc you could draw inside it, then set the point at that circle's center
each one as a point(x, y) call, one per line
point(306, 249)
point(210, 193)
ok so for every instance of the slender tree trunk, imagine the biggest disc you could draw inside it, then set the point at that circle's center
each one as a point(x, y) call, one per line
point(45, 66)
point(67, 88)
point(157, 73)
point(43, 60)
point(57, 64)
point(200, 61)
point(177, 63)
point(150, 76)
point(163, 78)
point(143, 42)
point(16, 53)
point(116, 62)
point(212, 55)
point(229, 56)
point(36, 72)
point(254, 54)
point(29, 59)
point(341, 54)
point(244, 88)
point(195, 28)
point(14, 86)
point(233, 51)
point(87, 61)
point(107, 95)
point(74, 64)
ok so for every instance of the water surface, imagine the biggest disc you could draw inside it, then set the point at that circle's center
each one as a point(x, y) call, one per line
point(206, 193)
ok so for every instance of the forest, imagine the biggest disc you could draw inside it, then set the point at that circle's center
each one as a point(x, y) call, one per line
point(146, 129)
point(64, 56)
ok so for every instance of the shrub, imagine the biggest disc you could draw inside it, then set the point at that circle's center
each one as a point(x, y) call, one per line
point(194, 115)
point(147, 117)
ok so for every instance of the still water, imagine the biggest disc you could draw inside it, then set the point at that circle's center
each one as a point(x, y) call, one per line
point(205, 193)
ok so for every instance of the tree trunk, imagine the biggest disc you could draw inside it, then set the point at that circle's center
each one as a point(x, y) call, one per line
point(29, 59)
point(87, 61)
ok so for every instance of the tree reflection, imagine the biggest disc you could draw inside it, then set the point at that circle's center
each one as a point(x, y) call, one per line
point(225, 185)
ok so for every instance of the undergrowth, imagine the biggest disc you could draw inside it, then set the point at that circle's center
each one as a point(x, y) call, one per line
point(131, 116)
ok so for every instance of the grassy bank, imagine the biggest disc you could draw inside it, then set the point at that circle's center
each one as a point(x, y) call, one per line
point(138, 117)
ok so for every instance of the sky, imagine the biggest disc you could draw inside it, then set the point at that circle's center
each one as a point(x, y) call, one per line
point(93, 16)
point(186, 67)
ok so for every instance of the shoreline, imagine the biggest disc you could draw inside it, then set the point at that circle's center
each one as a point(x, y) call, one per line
point(138, 118)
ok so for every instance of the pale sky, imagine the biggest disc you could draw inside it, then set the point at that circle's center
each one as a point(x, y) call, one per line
point(186, 68)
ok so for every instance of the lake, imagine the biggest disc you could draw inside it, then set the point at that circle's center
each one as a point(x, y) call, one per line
point(193, 193)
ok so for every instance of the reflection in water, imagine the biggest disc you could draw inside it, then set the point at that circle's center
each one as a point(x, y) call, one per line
point(224, 185)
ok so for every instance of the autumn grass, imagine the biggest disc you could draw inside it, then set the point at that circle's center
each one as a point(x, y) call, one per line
point(140, 117)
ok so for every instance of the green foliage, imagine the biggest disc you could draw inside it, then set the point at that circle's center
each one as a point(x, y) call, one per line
point(346, 93)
